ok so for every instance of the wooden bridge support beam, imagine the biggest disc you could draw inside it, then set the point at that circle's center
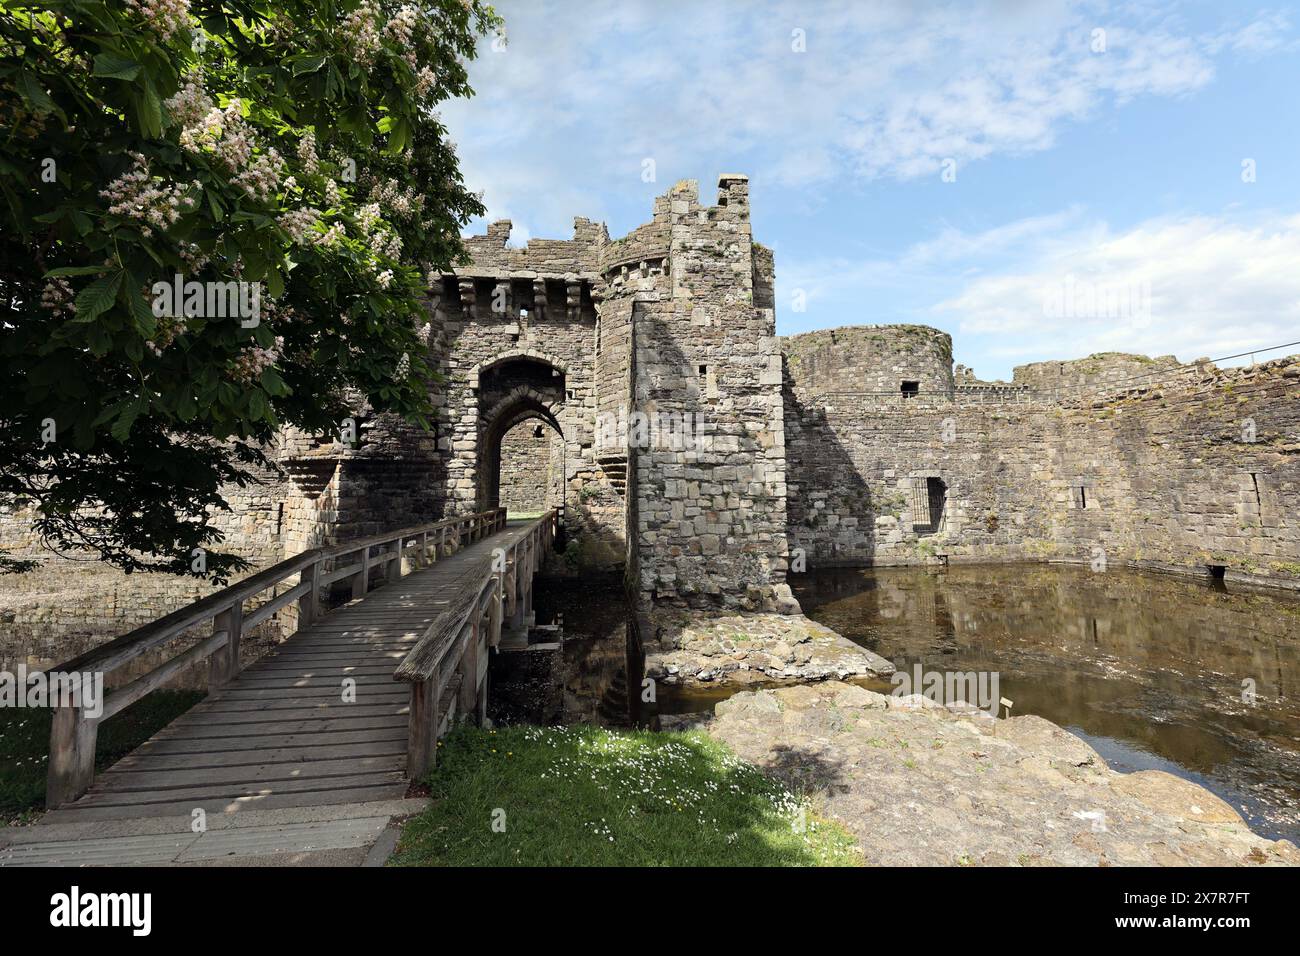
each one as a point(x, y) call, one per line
point(422, 723)
point(361, 580)
point(72, 755)
point(309, 605)
point(468, 670)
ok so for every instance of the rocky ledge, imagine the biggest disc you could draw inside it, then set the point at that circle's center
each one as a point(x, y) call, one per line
point(919, 785)
point(697, 648)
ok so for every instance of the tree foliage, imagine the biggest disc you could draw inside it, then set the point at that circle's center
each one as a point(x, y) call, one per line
point(291, 145)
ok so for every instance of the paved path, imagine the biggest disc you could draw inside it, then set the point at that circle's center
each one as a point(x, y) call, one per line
point(348, 834)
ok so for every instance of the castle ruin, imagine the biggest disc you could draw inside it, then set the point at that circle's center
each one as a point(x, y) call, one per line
point(639, 385)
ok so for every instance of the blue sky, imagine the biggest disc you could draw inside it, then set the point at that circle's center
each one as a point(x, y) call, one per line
point(1076, 161)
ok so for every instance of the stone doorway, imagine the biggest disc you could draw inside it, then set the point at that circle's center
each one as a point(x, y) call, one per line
point(530, 468)
point(522, 454)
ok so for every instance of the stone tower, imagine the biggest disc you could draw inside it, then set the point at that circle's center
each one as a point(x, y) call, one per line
point(710, 510)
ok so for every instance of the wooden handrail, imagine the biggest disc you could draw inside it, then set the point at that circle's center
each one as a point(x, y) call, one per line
point(72, 734)
point(421, 660)
point(121, 650)
point(448, 651)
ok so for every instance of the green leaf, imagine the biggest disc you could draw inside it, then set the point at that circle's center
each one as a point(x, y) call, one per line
point(74, 271)
point(307, 64)
point(97, 297)
point(399, 137)
point(148, 110)
point(99, 341)
point(121, 429)
point(35, 94)
point(142, 312)
point(273, 383)
point(274, 283)
point(187, 409)
point(254, 267)
point(116, 67)
point(257, 406)
point(107, 413)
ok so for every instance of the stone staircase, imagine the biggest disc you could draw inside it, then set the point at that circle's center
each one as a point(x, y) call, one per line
point(613, 707)
point(615, 469)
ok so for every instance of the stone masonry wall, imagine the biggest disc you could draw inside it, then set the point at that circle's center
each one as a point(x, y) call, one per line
point(70, 604)
point(710, 512)
point(1159, 475)
point(870, 358)
point(1095, 374)
point(532, 468)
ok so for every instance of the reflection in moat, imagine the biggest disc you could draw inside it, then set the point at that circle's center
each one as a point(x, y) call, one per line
point(1155, 672)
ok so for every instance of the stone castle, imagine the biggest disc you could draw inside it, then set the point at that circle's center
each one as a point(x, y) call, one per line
point(639, 385)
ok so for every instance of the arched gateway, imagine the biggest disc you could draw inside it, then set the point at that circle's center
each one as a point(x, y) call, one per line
point(513, 392)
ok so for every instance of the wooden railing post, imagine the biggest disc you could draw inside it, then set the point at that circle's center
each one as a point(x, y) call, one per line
point(422, 727)
point(223, 665)
point(468, 668)
point(309, 604)
point(72, 755)
point(361, 582)
point(496, 616)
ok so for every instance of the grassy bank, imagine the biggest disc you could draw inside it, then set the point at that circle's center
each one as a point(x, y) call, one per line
point(25, 746)
point(583, 796)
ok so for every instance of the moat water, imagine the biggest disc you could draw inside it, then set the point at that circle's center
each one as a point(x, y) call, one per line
point(1155, 672)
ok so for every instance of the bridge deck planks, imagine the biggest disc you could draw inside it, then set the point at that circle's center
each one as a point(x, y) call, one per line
point(280, 735)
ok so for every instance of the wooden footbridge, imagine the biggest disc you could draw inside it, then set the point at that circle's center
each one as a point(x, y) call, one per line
point(346, 710)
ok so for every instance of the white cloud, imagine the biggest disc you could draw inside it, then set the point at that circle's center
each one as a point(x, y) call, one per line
point(1194, 286)
point(1267, 33)
point(584, 92)
point(1066, 285)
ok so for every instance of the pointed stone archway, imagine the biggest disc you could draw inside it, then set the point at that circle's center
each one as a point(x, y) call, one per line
point(520, 406)
point(512, 389)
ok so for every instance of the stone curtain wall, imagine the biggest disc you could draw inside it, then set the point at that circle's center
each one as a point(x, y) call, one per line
point(852, 465)
point(1095, 374)
point(711, 519)
point(68, 605)
point(1165, 475)
point(1187, 484)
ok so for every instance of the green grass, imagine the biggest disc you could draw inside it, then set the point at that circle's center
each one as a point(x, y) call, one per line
point(25, 746)
point(584, 796)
